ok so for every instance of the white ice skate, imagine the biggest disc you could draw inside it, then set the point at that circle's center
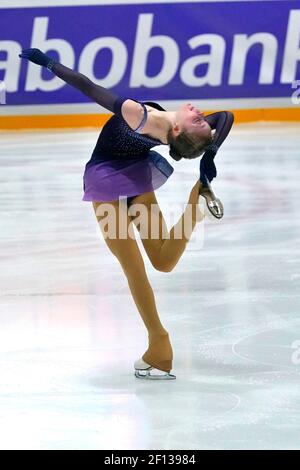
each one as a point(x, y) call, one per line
point(145, 371)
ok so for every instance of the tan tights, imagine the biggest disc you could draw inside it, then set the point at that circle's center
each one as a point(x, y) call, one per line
point(164, 253)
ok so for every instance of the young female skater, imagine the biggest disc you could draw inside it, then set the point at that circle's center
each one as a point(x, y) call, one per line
point(123, 165)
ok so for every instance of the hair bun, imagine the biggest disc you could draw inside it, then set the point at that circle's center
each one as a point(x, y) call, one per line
point(174, 154)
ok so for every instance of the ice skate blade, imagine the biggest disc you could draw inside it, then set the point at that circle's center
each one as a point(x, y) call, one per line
point(213, 209)
point(153, 374)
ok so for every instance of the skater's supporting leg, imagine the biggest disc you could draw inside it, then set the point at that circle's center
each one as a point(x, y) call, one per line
point(128, 254)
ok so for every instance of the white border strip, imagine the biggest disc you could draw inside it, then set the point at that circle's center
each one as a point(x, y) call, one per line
point(61, 3)
point(93, 108)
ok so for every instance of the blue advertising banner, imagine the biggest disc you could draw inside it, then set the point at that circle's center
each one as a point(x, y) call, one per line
point(228, 50)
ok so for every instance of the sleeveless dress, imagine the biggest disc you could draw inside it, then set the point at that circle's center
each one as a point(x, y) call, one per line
point(122, 164)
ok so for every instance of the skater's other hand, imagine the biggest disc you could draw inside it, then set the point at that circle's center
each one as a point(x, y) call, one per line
point(36, 56)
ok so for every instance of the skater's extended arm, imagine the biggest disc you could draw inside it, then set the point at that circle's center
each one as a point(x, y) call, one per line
point(132, 112)
point(97, 93)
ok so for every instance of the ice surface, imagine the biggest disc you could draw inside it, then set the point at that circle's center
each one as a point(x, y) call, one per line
point(70, 331)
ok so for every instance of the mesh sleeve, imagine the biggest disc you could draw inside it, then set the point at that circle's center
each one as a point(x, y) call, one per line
point(222, 122)
point(97, 93)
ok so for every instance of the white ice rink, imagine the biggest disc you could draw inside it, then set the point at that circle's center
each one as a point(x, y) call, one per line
point(70, 332)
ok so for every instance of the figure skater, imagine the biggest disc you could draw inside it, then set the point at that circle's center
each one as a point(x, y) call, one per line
point(123, 165)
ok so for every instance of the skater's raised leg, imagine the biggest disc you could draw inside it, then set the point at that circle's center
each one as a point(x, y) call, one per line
point(167, 248)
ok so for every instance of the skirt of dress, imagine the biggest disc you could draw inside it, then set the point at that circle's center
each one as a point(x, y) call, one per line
point(115, 179)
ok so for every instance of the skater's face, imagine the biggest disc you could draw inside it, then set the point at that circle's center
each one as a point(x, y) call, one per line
point(191, 120)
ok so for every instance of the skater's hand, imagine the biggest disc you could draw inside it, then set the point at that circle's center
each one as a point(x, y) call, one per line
point(37, 57)
point(207, 168)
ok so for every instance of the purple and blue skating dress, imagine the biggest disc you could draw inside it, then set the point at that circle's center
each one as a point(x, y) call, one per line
point(122, 163)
